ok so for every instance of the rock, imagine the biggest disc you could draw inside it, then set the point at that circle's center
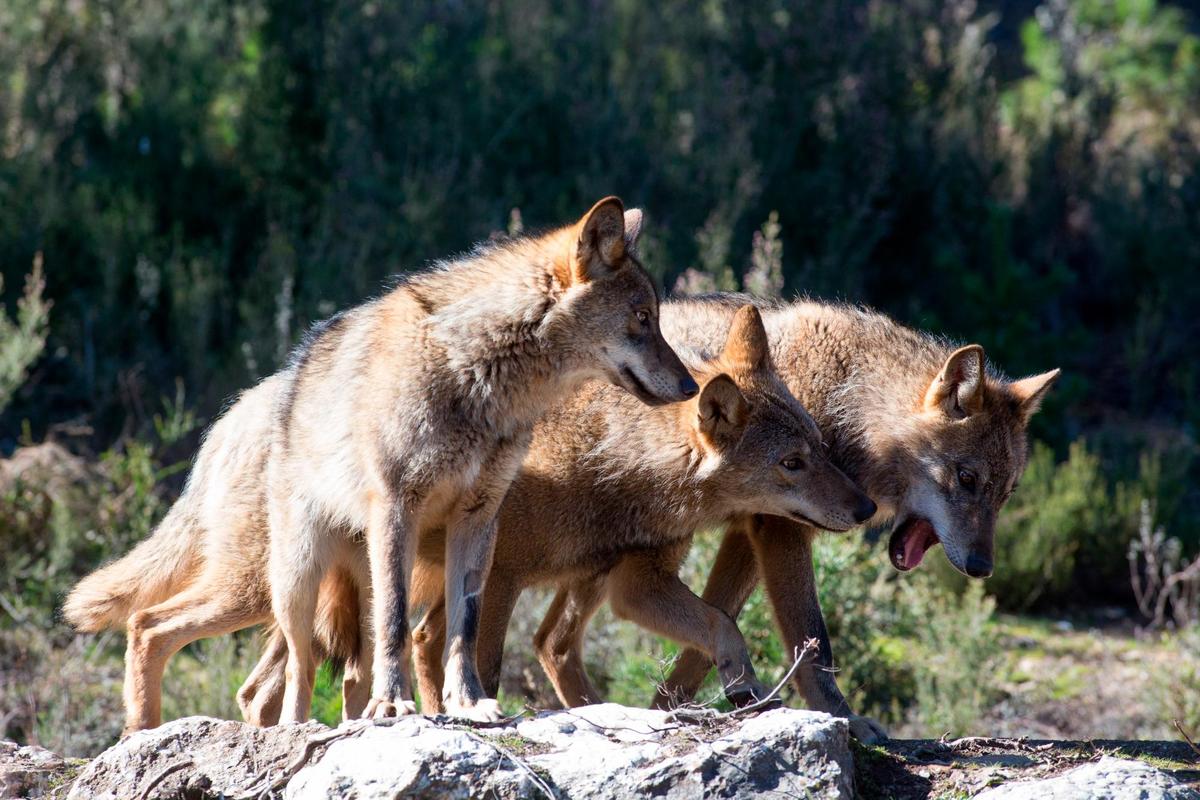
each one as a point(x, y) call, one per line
point(597, 751)
point(196, 757)
point(1106, 779)
point(33, 771)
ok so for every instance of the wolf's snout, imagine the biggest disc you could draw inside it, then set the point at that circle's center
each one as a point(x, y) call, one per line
point(688, 387)
point(977, 566)
point(865, 509)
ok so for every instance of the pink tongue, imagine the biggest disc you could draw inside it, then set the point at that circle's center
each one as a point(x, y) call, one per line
point(919, 539)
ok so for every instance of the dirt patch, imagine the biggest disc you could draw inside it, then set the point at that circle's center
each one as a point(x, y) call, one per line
point(915, 769)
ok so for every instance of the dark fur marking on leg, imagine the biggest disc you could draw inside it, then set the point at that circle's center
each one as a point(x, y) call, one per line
point(397, 626)
point(471, 509)
point(470, 624)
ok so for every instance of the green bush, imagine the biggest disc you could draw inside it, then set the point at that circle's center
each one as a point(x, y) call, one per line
point(1175, 685)
point(22, 339)
point(909, 650)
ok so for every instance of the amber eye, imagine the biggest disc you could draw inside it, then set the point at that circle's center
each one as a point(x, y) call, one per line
point(642, 315)
point(966, 479)
point(793, 463)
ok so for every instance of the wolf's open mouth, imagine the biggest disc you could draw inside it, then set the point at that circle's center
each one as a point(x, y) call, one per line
point(909, 541)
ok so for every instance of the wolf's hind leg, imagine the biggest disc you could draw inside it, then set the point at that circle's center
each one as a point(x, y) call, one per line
point(429, 640)
point(158, 632)
point(499, 597)
point(559, 640)
point(733, 577)
point(300, 553)
point(261, 695)
point(354, 635)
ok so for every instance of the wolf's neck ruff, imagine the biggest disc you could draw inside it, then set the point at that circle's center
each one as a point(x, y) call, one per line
point(498, 318)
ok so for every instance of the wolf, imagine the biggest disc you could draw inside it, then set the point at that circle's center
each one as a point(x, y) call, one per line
point(929, 430)
point(932, 433)
point(408, 413)
point(609, 496)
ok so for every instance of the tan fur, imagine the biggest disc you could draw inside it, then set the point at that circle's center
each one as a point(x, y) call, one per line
point(607, 500)
point(408, 413)
point(902, 412)
point(867, 382)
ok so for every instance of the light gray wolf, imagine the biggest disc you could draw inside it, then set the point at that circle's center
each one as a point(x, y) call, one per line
point(408, 413)
point(605, 505)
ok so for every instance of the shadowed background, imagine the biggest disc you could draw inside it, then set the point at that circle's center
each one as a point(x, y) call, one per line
point(203, 179)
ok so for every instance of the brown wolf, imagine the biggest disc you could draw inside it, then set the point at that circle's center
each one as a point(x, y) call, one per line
point(407, 413)
point(931, 435)
point(608, 498)
point(929, 432)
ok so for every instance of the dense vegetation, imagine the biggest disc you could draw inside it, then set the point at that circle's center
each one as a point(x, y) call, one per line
point(202, 179)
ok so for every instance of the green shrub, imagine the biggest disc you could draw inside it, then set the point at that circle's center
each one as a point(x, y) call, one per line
point(909, 649)
point(1175, 685)
point(22, 339)
point(956, 657)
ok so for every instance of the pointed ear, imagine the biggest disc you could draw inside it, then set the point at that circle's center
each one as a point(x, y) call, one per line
point(633, 229)
point(722, 411)
point(746, 345)
point(958, 389)
point(601, 243)
point(1029, 392)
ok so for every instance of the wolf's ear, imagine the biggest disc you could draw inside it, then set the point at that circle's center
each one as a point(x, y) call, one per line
point(958, 389)
point(601, 243)
point(1030, 392)
point(633, 229)
point(722, 411)
point(746, 345)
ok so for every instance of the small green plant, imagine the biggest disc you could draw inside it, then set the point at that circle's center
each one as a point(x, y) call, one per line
point(1175, 689)
point(957, 654)
point(22, 339)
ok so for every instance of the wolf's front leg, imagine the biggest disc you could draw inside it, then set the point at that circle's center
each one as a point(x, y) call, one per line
point(734, 576)
point(468, 558)
point(470, 542)
point(645, 588)
point(391, 543)
point(559, 639)
point(784, 552)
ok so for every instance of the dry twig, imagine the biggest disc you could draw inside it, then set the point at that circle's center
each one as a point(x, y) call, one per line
point(1186, 738)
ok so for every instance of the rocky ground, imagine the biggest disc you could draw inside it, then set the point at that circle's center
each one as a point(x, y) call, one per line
point(598, 751)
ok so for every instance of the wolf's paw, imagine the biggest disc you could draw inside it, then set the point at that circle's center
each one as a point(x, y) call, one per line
point(747, 693)
point(866, 730)
point(479, 711)
point(384, 709)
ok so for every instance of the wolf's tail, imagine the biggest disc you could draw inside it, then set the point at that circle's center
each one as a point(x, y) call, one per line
point(146, 575)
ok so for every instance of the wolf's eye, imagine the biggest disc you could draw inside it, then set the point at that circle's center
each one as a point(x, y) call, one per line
point(642, 315)
point(966, 479)
point(793, 463)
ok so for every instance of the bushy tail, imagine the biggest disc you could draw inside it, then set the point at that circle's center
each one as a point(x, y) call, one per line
point(146, 575)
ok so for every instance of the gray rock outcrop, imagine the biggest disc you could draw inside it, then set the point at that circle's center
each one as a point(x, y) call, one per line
point(602, 751)
point(1106, 779)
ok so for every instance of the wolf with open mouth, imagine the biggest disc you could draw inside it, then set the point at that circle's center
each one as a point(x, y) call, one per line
point(932, 434)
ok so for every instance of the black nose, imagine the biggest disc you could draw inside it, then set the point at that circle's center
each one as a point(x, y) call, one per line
point(978, 566)
point(688, 386)
point(865, 509)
